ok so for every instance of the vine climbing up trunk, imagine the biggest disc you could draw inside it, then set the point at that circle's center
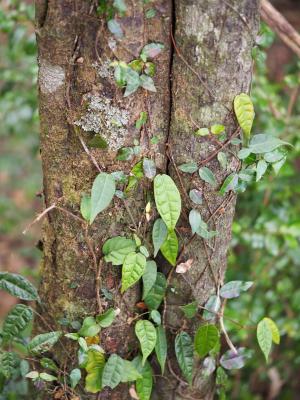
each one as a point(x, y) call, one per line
point(89, 127)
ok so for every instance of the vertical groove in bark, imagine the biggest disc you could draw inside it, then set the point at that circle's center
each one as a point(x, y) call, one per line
point(216, 43)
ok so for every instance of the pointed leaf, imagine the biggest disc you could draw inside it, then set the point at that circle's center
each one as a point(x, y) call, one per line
point(207, 175)
point(222, 158)
point(264, 337)
point(230, 183)
point(133, 268)
point(117, 248)
point(206, 338)
point(144, 384)
point(244, 111)
point(261, 169)
point(167, 199)
point(115, 28)
point(75, 376)
point(196, 196)
point(89, 327)
point(190, 310)
point(107, 318)
point(112, 372)
point(146, 334)
point(85, 207)
point(16, 321)
point(157, 292)
point(184, 354)
point(190, 167)
point(103, 191)
point(233, 289)
point(263, 143)
point(129, 372)
point(199, 226)
point(212, 306)
point(147, 83)
point(169, 248)
point(149, 277)
point(94, 368)
point(43, 342)
point(159, 234)
point(18, 286)
point(274, 330)
point(161, 347)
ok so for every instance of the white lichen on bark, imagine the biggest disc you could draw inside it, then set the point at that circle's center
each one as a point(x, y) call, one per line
point(51, 77)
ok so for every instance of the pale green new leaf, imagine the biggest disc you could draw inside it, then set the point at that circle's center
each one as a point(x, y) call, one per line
point(157, 292)
point(230, 183)
point(94, 368)
point(190, 310)
point(117, 248)
point(107, 318)
point(263, 143)
point(159, 234)
point(85, 207)
point(129, 372)
point(190, 167)
point(261, 169)
point(169, 248)
point(16, 321)
point(103, 191)
point(47, 377)
point(113, 370)
point(167, 199)
point(184, 354)
point(18, 286)
point(207, 175)
point(206, 338)
point(133, 268)
point(143, 385)
point(244, 111)
point(43, 342)
point(222, 158)
point(149, 277)
point(146, 333)
point(264, 337)
point(161, 347)
point(274, 330)
point(89, 327)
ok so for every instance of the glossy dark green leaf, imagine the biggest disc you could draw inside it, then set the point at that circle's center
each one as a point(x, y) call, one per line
point(149, 277)
point(146, 333)
point(94, 367)
point(103, 191)
point(157, 292)
point(184, 354)
point(112, 372)
point(206, 338)
point(161, 347)
point(43, 342)
point(16, 321)
point(18, 286)
point(144, 384)
point(159, 234)
point(117, 248)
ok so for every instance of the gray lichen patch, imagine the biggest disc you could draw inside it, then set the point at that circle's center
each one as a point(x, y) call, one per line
point(51, 77)
point(106, 119)
point(104, 70)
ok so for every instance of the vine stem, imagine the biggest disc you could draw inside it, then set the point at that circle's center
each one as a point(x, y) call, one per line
point(94, 161)
point(223, 329)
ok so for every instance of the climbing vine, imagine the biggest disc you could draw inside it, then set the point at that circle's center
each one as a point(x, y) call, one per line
point(135, 255)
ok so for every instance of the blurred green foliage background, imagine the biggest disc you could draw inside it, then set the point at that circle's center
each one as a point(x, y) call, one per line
point(266, 231)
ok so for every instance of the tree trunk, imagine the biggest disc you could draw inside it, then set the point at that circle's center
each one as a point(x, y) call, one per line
point(198, 75)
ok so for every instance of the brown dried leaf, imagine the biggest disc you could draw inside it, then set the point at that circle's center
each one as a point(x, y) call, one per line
point(182, 268)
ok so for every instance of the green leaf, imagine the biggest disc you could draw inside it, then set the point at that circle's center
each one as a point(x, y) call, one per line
point(113, 370)
point(277, 165)
point(8, 363)
point(103, 191)
point(98, 142)
point(222, 158)
point(150, 13)
point(264, 337)
point(199, 226)
point(141, 120)
point(244, 153)
point(207, 175)
point(244, 111)
point(133, 268)
point(18, 286)
point(85, 207)
point(146, 333)
point(117, 248)
point(274, 329)
point(89, 327)
point(159, 234)
point(202, 132)
point(147, 83)
point(149, 168)
point(129, 372)
point(196, 196)
point(143, 385)
point(190, 310)
point(212, 306)
point(150, 69)
point(233, 289)
point(161, 347)
point(156, 294)
point(184, 354)
point(133, 82)
point(47, 377)
point(169, 248)
point(94, 368)
point(107, 318)
point(155, 316)
point(144, 251)
point(43, 342)
point(32, 375)
point(217, 129)
point(261, 169)
point(263, 143)
point(120, 6)
point(151, 50)
point(48, 364)
point(149, 277)
point(206, 338)
point(230, 183)
point(190, 167)
point(115, 28)
point(125, 154)
point(137, 65)
point(167, 199)
point(16, 321)
point(274, 156)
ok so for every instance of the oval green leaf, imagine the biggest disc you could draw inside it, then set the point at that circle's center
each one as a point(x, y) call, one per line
point(103, 191)
point(169, 248)
point(161, 347)
point(43, 342)
point(146, 333)
point(206, 338)
point(18, 286)
point(94, 368)
point(133, 268)
point(244, 111)
point(157, 292)
point(112, 372)
point(159, 234)
point(184, 354)
point(117, 248)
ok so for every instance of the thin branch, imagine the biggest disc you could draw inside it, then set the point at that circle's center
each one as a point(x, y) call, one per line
point(88, 152)
point(38, 218)
point(281, 26)
point(227, 338)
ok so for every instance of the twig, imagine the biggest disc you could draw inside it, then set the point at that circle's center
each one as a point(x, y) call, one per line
point(38, 218)
point(88, 152)
point(281, 26)
point(175, 375)
point(229, 342)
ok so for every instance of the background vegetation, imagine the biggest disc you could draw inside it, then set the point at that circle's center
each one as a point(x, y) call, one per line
point(266, 231)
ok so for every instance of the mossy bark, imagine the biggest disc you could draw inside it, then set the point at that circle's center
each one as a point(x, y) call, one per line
point(75, 49)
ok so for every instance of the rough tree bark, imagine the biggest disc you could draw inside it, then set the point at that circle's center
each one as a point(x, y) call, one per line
point(196, 82)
